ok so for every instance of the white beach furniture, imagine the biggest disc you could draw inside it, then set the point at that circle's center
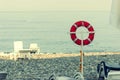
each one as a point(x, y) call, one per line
point(34, 48)
point(77, 76)
point(18, 45)
point(108, 71)
point(20, 53)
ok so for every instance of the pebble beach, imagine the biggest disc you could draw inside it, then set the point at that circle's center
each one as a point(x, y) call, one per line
point(41, 69)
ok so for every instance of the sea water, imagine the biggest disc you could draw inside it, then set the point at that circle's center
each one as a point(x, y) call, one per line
point(50, 30)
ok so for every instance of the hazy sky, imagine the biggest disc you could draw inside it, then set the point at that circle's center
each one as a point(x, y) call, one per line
point(39, 5)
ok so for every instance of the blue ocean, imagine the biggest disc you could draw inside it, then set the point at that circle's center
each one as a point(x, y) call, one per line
point(50, 30)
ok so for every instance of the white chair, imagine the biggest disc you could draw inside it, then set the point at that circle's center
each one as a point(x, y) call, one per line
point(18, 45)
point(34, 48)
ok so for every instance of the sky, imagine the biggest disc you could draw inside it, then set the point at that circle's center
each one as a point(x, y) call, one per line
point(46, 5)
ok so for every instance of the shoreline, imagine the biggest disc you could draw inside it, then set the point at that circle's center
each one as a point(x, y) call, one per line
point(10, 56)
point(60, 55)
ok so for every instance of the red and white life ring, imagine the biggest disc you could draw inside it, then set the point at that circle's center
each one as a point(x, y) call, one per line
point(82, 24)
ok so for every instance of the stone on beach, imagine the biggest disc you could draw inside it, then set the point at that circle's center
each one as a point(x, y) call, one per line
point(41, 69)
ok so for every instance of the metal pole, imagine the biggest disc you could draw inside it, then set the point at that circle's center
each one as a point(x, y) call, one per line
point(81, 55)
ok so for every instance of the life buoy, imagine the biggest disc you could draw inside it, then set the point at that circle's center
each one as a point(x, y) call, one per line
point(78, 41)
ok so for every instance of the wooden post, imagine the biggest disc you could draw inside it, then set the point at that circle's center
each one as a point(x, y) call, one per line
point(81, 62)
